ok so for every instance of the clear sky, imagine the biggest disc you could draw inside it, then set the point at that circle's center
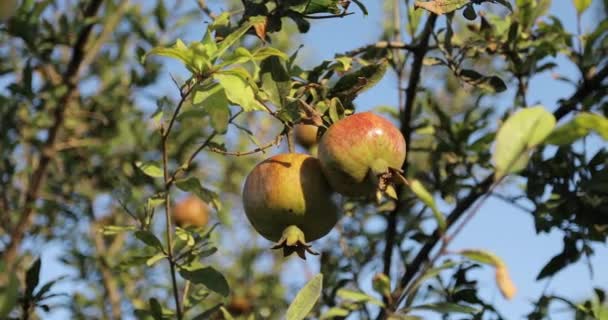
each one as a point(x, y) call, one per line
point(498, 227)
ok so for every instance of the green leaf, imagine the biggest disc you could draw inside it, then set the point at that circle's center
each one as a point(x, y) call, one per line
point(358, 297)
point(440, 7)
point(520, 133)
point(352, 84)
point(275, 81)
point(32, 276)
point(213, 100)
point(207, 276)
point(231, 39)
point(265, 52)
point(483, 256)
point(9, 293)
point(427, 198)
point(148, 238)
point(150, 168)
point(155, 258)
point(111, 230)
point(446, 307)
point(226, 314)
point(334, 313)
point(581, 6)
point(178, 51)
point(579, 127)
point(469, 13)
point(193, 185)
point(238, 91)
point(306, 299)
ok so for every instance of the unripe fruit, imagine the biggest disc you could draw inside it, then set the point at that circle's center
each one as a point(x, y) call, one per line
point(359, 153)
point(306, 134)
point(239, 305)
point(191, 211)
point(287, 199)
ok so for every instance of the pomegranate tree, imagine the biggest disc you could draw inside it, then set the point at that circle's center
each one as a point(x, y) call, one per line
point(360, 153)
point(288, 200)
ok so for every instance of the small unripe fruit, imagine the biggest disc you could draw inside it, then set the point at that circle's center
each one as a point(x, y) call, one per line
point(287, 199)
point(191, 211)
point(306, 134)
point(359, 152)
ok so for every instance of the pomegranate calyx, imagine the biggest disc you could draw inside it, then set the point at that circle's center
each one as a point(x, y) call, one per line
point(293, 241)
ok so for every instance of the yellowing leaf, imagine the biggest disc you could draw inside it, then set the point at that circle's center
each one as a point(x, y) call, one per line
point(504, 282)
point(581, 5)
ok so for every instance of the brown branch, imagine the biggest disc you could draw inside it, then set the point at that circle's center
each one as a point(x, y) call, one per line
point(406, 119)
point(70, 80)
point(107, 278)
point(587, 88)
point(275, 142)
point(382, 45)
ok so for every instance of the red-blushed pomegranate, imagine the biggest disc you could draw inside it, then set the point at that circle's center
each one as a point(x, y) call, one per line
point(359, 153)
point(306, 134)
point(191, 211)
point(288, 200)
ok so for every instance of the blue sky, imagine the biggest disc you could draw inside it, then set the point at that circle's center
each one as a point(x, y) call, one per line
point(498, 227)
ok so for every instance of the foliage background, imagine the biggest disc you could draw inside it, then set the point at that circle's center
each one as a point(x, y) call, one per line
point(499, 227)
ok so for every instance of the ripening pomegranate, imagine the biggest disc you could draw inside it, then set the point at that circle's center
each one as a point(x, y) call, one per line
point(358, 152)
point(191, 211)
point(288, 200)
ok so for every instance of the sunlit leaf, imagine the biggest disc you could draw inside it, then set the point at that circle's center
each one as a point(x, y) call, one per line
point(520, 133)
point(150, 168)
point(238, 91)
point(427, 198)
point(306, 299)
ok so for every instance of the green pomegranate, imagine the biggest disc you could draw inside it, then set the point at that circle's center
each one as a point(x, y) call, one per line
point(360, 153)
point(288, 200)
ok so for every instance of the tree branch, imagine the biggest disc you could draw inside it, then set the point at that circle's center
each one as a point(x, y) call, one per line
point(406, 118)
point(587, 88)
point(70, 78)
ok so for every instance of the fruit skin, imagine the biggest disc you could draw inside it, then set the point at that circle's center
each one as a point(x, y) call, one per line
point(306, 134)
point(287, 199)
point(357, 150)
point(191, 211)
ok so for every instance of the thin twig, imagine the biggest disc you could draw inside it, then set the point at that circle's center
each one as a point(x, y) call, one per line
point(168, 229)
point(275, 142)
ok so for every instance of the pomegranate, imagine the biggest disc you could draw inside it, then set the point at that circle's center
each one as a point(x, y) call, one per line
point(191, 211)
point(306, 135)
point(288, 200)
point(360, 153)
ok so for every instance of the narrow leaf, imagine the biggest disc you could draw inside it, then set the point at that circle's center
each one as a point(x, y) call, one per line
point(150, 168)
point(306, 299)
point(32, 277)
point(420, 191)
